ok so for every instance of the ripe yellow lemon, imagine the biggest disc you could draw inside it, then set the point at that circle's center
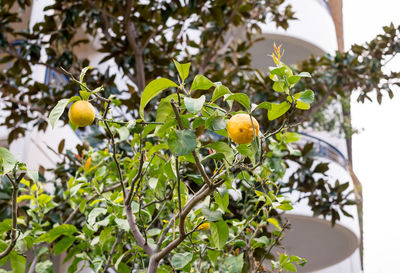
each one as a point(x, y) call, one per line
point(240, 128)
point(204, 226)
point(81, 113)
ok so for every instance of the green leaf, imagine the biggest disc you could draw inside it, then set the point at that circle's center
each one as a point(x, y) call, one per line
point(222, 147)
point(44, 267)
point(194, 105)
point(63, 245)
point(245, 150)
point(274, 222)
point(264, 105)
point(56, 232)
point(154, 88)
point(293, 79)
point(241, 98)
point(57, 111)
point(34, 175)
point(97, 90)
point(279, 86)
point(182, 142)
point(305, 75)
point(307, 96)
point(235, 263)
point(222, 201)
point(183, 69)
point(285, 206)
point(211, 216)
point(219, 233)
point(213, 255)
point(262, 241)
point(180, 260)
point(220, 91)
point(7, 161)
point(289, 137)
point(84, 94)
point(83, 73)
point(279, 71)
point(278, 110)
point(123, 133)
point(18, 263)
point(219, 123)
point(93, 215)
point(289, 267)
point(200, 82)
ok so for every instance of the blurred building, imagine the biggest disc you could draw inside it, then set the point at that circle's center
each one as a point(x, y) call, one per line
point(318, 30)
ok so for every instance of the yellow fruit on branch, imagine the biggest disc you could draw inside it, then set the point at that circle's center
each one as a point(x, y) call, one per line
point(204, 226)
point(81, 113)
point(240, 128)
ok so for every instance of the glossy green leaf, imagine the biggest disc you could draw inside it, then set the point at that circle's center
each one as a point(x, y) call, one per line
point(84, 94)
point(183, 69)
point(279, 86)
point(83, 73)
point(289, 267)
point(219, 123)
point(194, 105)
point(235, 263)
point(264, 105)
point(222, 147)
point(211, 216)
point(182, 142)
point(274, 222)
point(18, 262)
point(7, 161)
point(213, 255)
point(44, 267)
point(279, 71)
point(180, 260)
point(151, 90)
point(123, 133)
point(219, 233)
point(278, 110)
point(57, 111)
point(56, 232)
point(293, 79)
point(220, 91)
point(285, 206)
point(222, 200)
point(201, 82)
point(305, 75)
point(307, 96)
point(241, 98)
point(63, 245)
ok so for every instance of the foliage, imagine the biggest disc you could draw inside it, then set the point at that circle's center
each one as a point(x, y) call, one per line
point(140, 44)
point(145, 194)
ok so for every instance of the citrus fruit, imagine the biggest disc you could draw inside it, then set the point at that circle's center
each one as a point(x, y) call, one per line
point(204, 226)
point(81, 113)
point(240, 128)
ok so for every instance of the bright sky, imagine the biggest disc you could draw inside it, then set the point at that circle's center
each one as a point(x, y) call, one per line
point(377, 149)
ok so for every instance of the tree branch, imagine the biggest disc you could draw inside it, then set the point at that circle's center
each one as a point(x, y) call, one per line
point(137, 48)
point(112, 252)
point(14, 208)
point(135, 179)
point(199, 166)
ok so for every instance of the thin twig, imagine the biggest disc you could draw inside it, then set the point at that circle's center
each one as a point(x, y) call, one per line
point(112, 252)
point(14, 208)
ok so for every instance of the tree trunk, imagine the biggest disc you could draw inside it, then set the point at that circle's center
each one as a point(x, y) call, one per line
point(153, 265)
point(140, 77)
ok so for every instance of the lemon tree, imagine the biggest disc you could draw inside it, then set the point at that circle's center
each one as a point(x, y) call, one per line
point(155, 196)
